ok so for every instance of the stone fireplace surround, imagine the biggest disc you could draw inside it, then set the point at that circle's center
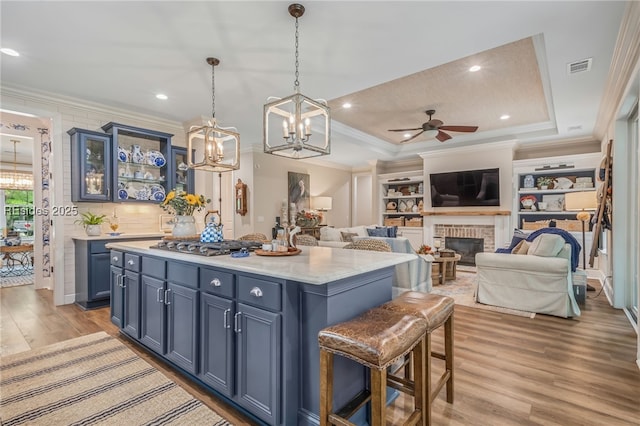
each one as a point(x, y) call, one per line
point(493, 226)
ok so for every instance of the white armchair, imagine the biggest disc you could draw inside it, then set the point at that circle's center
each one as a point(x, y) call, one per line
point(540, 280)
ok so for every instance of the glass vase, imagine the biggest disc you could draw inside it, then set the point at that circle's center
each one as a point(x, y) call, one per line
point(184, 226)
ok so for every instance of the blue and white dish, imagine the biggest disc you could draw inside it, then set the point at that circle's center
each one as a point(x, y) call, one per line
point(123, 194)
point(143, 194)
point(123, 155)
point(158, 196)
point(156, 188)
point(155, 158)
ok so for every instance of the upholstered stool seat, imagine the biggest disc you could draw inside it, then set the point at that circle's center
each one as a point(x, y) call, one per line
point(436, 310)
point(375, 339)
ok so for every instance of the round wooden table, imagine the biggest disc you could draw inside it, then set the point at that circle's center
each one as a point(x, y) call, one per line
point(446, 267)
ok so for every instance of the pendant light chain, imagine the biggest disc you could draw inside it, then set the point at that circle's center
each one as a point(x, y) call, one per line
point(213, 91)
point(296, 84)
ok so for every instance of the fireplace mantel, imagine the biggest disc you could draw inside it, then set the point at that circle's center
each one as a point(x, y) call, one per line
point(468, 213)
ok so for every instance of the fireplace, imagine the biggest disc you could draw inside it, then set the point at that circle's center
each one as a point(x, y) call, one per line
point(466, 248)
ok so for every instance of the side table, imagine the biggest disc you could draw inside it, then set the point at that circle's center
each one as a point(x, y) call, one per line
point(446, 267)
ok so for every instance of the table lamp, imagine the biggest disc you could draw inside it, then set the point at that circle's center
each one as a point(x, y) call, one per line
point(322, 204)
point(584, 201)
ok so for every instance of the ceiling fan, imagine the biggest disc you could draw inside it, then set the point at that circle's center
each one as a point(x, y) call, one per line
point(434, 124)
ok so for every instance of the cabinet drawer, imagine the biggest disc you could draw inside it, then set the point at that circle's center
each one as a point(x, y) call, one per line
point(182, 273)
point(98, 247)
point(261, 293)
point(117, 258)
point(154, 267)
point(132, 262)
point(216, 282)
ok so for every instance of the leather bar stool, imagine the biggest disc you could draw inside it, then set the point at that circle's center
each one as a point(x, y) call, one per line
point(375, 339)
point(437, 311)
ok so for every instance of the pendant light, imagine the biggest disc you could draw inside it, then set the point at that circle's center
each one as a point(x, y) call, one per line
point(296, 126)
point(218, 148)
point(14, 180)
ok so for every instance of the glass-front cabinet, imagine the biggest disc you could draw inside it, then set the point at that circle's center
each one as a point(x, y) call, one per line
point(183, 179)
point(141, 159)
point(90, 165)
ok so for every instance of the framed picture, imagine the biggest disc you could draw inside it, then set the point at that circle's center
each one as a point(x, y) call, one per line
point(298, 191)
point(166, 223)
point(555, 202)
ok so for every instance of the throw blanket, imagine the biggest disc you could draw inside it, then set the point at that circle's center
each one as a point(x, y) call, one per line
point(568, 238)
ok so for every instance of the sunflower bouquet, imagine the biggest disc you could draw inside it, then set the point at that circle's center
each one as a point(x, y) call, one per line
point(181, 203)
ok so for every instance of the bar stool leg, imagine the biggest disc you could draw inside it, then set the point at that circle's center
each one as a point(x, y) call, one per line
point(448, 342)
point(326, 386)
point(420, 371)
point(427, 368)
point(378, 396)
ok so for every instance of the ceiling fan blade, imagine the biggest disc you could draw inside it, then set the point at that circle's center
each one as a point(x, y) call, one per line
point(404, 130)
point(460, 128)
point(442, 136)
point(412, 137)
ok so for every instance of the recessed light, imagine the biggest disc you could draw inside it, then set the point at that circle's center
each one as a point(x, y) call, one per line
point(346, 105)
point(9, 52)
point(475, 68)
point(162, 96)
point(505, 117)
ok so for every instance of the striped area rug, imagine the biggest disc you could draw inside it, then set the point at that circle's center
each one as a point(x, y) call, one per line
point(93, 379)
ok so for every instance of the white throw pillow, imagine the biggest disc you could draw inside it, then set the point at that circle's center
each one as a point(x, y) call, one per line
point(330, 234)
point(546, 245)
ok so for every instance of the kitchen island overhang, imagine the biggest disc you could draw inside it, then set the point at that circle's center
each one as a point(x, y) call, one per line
point(274, 304)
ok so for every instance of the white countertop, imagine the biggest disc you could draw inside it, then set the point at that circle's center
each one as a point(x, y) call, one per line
point(315, 265)
point(124, 235)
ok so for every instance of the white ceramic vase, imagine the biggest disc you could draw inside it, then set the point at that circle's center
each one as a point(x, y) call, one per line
point(93, 230)
point(184, 226)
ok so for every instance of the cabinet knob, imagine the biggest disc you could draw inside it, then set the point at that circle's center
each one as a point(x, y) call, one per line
point(130, 262)
point(256, 292)
point(215, 282)
point(114, 258)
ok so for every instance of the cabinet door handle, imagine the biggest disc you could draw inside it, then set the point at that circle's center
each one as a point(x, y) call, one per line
point(123, 283)
point(158, 295)
point(226, 318)
point(130, 262)
point(119, 280)
point(256, 292)
point(114, 258)
point(167, 293)
point(215, 282)
point(236, 327)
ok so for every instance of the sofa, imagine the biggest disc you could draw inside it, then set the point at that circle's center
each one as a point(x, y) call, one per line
point(534, 276)
point(414, 275)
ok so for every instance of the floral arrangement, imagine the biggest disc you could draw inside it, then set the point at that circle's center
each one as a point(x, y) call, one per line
point(181, 203)
point(308, 218)
point(424, 249)
point(544, 181)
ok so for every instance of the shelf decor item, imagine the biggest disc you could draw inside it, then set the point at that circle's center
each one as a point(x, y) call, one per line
point(92, 223)
point(183, 205)
point(544, 182)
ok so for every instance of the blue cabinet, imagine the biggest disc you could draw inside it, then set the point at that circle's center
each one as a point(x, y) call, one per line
point(152, 315)
point(182, 178)
point(117, 296)
point(141, 163)
point(91, 166)
point(182, 326)
point(217, 348)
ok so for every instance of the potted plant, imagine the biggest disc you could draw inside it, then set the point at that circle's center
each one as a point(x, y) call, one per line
point(544, 182)
point(91, 223)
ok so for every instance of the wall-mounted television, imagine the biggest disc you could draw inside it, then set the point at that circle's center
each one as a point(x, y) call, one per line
point(465, 188)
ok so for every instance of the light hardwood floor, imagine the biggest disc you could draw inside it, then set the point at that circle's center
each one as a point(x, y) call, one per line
point(509, 370)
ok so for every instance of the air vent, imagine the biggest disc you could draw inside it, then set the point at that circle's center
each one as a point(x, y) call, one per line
point(579, 66)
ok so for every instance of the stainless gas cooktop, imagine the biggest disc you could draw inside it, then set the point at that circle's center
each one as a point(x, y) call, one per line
point(207, 249)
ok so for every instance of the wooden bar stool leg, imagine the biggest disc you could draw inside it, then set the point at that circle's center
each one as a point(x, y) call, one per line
point(448, 350)
point(419, 379)
point(378, 396)
point(326, 386)
point(427, 384)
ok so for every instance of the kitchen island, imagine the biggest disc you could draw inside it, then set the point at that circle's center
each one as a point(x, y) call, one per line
point(247, 327)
